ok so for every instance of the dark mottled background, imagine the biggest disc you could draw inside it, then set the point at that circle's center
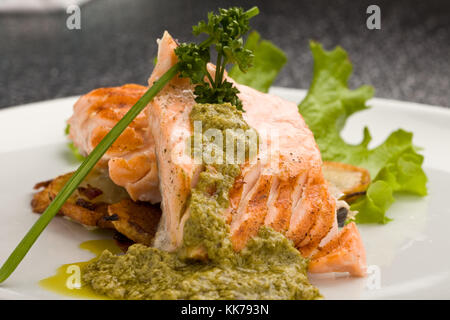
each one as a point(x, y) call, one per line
point(407, 59)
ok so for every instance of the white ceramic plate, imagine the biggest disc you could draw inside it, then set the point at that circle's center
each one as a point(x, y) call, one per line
point(408, 258)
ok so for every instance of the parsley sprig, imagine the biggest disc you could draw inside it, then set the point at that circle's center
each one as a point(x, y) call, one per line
point(225, 32)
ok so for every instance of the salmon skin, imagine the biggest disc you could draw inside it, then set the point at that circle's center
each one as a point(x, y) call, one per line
point(284, 188)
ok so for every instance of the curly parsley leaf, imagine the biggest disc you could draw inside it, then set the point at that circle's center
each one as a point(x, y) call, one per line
point(225, 31)
point(267, 63)
point(222, 94)
point(394, 165)
point(193, 60)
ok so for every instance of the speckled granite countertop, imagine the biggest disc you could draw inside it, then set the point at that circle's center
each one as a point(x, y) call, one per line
point(408, 59)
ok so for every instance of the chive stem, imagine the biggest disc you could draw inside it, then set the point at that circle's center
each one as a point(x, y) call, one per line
point(29, 239)
point(209, 77)
point(217, 79)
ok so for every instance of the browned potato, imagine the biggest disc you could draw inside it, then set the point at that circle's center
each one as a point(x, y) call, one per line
point(350, 180)
point(40, 200)
point(78, 207)
point(100, 203)
point(136, 220)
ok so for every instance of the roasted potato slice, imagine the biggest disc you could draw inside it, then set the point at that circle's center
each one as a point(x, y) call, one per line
point(136, 220)
point(99, 203)
point(41, 199)
point(79, 207)
point(88, 205)
point(351, 181)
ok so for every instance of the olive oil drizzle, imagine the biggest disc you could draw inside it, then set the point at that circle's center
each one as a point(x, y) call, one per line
point(66, 275)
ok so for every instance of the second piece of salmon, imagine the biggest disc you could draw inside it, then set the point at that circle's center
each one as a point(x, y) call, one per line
point(131, 159)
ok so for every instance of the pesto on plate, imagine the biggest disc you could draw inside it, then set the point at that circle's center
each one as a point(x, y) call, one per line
point(268, 268)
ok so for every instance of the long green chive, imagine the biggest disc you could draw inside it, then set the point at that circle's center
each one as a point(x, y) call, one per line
point(88, 164)
point(24, 246)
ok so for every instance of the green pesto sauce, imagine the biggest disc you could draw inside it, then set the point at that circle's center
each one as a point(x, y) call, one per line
point(268, 268)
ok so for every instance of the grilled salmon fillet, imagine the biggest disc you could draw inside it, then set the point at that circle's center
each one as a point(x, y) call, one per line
point(131, 159)
point(284, 188)
point(170, 126)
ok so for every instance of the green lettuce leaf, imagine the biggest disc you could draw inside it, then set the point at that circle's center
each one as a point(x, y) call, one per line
point(395, 165)
point(74, 150)
point(267, 63)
